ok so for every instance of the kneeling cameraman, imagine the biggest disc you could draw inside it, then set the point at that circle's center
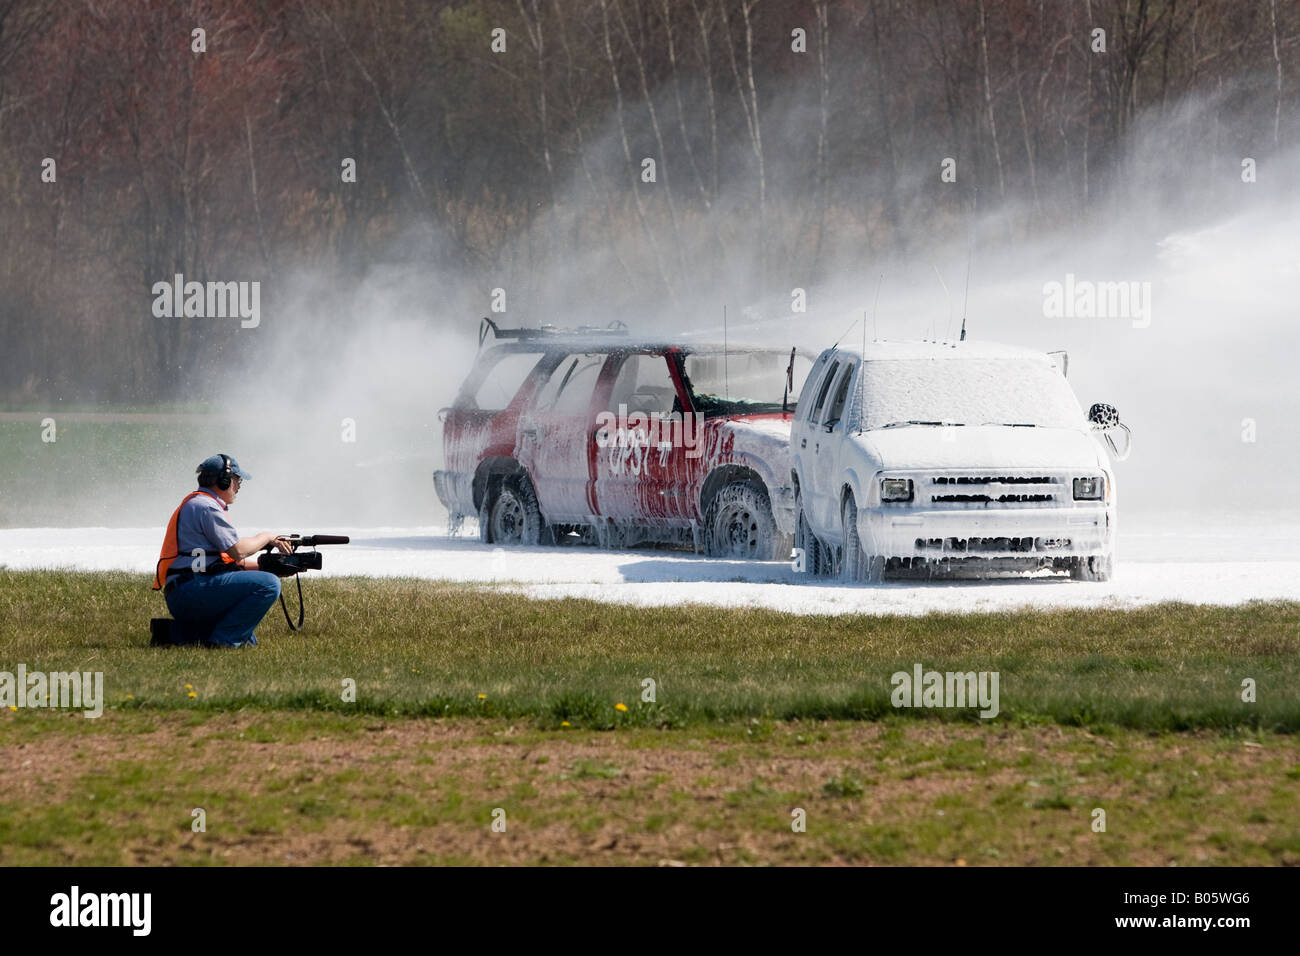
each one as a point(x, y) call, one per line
point(208, 601)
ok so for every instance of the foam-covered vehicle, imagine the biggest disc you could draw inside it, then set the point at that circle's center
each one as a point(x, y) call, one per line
point(938, 457)
point(557, 436)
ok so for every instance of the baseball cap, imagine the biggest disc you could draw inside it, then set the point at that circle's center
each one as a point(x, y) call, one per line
point(215, 465)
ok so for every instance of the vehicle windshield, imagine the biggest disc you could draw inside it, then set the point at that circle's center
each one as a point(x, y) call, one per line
point(978, 391)
point(748, 382)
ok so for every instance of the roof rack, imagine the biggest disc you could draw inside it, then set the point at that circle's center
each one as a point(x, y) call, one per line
point(615, 327)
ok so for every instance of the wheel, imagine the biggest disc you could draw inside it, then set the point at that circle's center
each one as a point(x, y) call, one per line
point(817, 558)
point(857, 564)
point(1092, 568)
point(510, 514)
point(739, 524)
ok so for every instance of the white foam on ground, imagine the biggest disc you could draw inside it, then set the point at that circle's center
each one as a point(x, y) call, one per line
point(1189, 558)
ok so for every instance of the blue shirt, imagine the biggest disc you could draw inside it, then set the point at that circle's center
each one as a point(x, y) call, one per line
point(202, 524)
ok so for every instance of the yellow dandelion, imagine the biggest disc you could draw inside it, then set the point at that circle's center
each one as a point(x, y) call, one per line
point(189, 686)
point(191, 694)
point(620, 706)
point(482, 696)
point(565, 723)
point(13, 708)
point(130, 696)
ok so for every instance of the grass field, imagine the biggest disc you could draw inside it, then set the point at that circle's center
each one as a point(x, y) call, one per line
point(470, 700)
point(421, 648)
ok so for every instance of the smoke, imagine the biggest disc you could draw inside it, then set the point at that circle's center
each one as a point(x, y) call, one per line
point(333, 403)
point(1203, 377)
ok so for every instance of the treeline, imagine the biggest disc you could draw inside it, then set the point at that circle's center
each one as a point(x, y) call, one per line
point(657, 144)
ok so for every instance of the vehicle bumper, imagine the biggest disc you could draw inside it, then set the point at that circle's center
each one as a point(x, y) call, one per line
point(454, 491)
point(1029, 534)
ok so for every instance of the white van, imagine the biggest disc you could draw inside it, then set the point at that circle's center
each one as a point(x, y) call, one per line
point(938, 457)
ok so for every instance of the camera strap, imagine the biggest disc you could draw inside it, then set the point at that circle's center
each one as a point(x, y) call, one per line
point(285, 608)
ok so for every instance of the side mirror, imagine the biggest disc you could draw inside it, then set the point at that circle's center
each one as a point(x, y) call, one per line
point(1103, 415)
point(1117, 436)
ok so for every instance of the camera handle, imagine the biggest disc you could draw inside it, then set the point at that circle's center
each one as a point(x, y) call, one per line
point(285, 609)
point(294, 541)
point(297, 541)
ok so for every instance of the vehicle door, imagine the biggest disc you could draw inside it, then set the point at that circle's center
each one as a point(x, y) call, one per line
point(642, 460)
point(484, 421)
point(807, 436)
point(556, 434)
point(831, 416)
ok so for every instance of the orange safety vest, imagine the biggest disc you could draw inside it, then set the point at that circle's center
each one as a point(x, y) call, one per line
point(172, 540)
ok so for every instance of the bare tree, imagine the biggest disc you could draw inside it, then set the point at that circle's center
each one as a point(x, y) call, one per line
point(1277, 62)
point(988, 100)
point(747, 90)
point(663, 164)
point(646, 227)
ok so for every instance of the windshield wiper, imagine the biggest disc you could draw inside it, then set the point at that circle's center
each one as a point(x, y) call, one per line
point(915, 422)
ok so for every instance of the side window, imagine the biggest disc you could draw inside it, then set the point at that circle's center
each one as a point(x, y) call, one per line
point(645, 385)
point(568, 392)
point(501, 383)
point(841, 395)
point(806, 394)
point(827, 379)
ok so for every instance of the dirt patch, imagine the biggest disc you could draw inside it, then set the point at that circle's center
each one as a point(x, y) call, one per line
point(429, 791)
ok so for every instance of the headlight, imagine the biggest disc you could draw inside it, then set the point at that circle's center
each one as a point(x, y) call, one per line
point(1089, 489)
point(895, 489)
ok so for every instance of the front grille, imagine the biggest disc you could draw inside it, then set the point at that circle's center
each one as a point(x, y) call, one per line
point(1048, 489)
point(986, 499)
point(1008, 480)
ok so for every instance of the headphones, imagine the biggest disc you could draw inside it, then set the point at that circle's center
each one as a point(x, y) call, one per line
point(224, 478)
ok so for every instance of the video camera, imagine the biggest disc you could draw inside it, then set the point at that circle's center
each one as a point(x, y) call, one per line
point(287, 565)
point(290, 565)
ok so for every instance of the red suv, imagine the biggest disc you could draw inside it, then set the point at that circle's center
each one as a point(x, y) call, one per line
point(557, 436)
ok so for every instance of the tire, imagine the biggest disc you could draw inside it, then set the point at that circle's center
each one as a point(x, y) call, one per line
point(817, 559)
point(510, 514)
point(1092, 568)
point(857, 564)
point(739, 524)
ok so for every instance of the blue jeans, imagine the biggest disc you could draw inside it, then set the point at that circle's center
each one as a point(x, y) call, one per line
point(230, 604)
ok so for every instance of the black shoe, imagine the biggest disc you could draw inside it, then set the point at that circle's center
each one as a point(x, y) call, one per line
point(160, 632)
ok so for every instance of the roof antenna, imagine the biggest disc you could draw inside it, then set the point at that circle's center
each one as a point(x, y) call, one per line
point(970, 254)
point(862, 368)
point(945, 292)
point(845, 332)
point(875, 329)
point(726, 381)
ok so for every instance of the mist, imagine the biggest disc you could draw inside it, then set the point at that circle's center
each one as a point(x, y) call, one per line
point(1204, 379)
point(1211, 371)
point(332, 401)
